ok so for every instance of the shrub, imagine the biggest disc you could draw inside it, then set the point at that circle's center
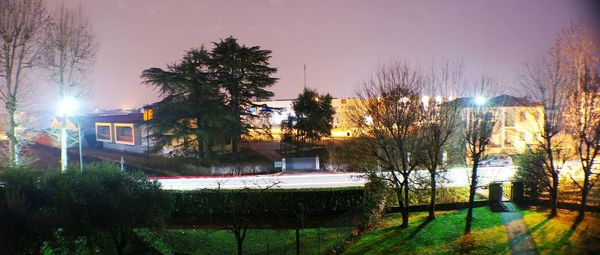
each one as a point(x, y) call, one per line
point(375, 199)
point(530, 171)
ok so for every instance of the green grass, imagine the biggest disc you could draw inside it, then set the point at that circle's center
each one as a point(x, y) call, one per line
point(258, 241)
point(444, 235)
point(562, 234)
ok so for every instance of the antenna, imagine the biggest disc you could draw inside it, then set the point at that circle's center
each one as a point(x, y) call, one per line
point(305, 75)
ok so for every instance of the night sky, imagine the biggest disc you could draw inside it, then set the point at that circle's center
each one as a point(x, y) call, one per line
point(340, 41)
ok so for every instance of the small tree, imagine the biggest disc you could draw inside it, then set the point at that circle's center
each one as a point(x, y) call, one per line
point(439, 124)
point(388, 119)
point(587, 131)
point(313, 118)
point(546, 80)
point(479, 123)
point(580, 48)
point(531, 171)
point(240, 207)
point(374, 201)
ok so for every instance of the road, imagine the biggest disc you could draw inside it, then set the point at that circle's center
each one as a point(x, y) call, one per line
point(457, 177)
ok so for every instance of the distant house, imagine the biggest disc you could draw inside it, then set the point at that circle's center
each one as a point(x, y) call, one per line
point(123, 131)
point(518, 121)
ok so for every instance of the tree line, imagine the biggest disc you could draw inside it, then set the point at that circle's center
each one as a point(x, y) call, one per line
point(402, 129)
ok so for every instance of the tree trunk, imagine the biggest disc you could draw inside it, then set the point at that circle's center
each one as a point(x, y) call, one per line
point(13, 149)
point(406, 203)
point(297, 241)
point(401, 204)
point(237, 126)
point(200, 152)
point(471, 197)
point(235, 147)
point(554, 195)
point(584, 193)
point(239, 242)
point(432, 196)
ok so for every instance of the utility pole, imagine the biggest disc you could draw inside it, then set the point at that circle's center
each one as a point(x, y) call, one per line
point(305, 76)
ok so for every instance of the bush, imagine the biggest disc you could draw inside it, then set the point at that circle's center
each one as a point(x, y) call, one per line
point(23, 212)
point(74, 211)
point(375, 199)
point(530, 171)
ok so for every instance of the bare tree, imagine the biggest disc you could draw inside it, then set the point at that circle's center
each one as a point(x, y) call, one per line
point(240, 207)
point(579, 46)
point(588, 131)
point(22, 24)
point(546, 81)
point(388, 118)
point(439, 122)
point(72, 48)
point(479, 121)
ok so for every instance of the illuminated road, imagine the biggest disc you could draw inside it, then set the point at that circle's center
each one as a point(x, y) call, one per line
point(454, 177)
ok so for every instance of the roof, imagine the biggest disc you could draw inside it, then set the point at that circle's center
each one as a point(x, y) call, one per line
point(117, 118)
point(498, 101)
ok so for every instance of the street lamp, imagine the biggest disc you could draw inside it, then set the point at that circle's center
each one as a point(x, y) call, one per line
point(479, 100)
point(66, 107)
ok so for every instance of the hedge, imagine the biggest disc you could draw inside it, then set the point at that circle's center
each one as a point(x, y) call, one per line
point(202, 203)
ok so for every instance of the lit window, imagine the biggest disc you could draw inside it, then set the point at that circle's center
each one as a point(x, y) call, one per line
point(103, 132)
point(124, 133)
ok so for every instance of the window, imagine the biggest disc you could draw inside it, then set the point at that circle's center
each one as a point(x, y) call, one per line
point(523, 116)
point(509, 119)
point(103, 133)
point(124, 134)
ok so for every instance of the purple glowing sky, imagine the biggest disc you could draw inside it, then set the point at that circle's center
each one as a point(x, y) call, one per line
point(341, 41)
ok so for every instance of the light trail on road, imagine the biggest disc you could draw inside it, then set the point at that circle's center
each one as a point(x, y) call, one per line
point(456, 177)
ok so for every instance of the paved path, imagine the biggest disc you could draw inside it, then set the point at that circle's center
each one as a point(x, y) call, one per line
point(519, 238)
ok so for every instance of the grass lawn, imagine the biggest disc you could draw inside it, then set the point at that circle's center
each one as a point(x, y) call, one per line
point(444, 235)
point(561, 235)
point(259, 241)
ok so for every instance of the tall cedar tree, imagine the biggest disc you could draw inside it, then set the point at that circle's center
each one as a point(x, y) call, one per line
point(244, 74)
point(314, 117)
point(192, 108)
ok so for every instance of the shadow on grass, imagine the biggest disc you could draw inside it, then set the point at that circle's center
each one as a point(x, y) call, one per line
point(421, 226)
point(569, 233)
point(530, 231)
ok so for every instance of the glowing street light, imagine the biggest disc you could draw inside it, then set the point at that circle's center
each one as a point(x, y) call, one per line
point(66, 107)
point(479, 100)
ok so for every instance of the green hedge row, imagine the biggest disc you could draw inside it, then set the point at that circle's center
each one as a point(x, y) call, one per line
point(221, 202)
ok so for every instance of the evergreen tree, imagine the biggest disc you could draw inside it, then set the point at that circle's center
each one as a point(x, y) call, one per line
point(189, 118)
point(243, 73)
point(314, 116)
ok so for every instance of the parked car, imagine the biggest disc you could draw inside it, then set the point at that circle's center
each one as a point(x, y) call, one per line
point(496, 160)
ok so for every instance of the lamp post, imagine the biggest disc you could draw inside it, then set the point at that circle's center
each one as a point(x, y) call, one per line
point(66, 107)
